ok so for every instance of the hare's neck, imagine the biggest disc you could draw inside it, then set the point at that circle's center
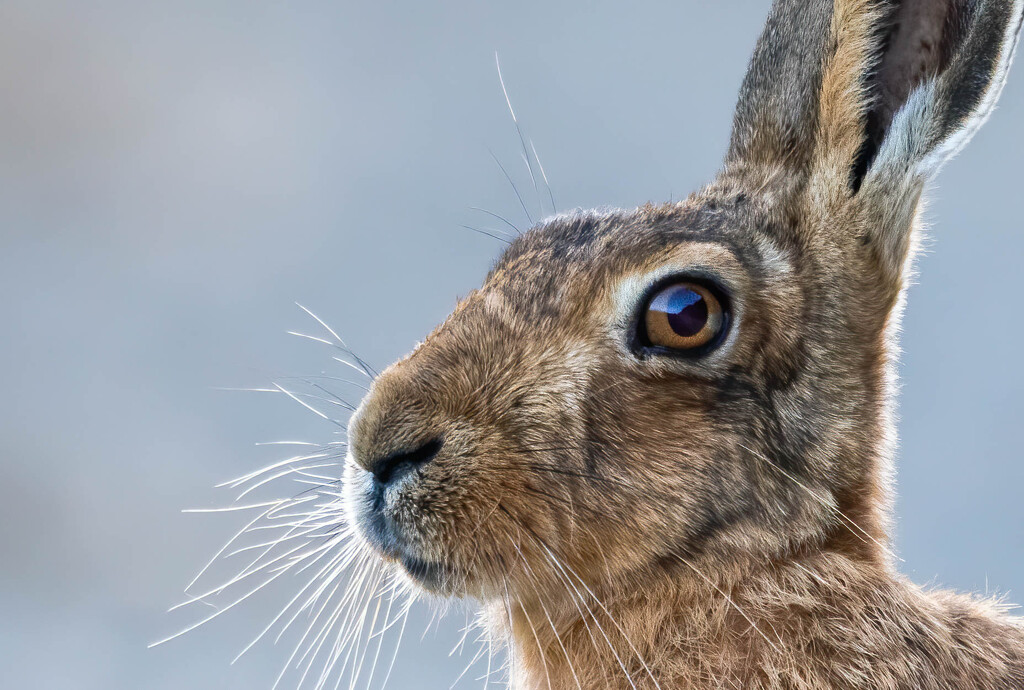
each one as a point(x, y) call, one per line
point(800, 620)
point(678, 625)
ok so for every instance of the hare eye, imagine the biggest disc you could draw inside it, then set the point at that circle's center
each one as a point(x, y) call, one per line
point(683, 316)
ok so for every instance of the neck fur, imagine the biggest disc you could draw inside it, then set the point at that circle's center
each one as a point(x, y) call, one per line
point(678, 627)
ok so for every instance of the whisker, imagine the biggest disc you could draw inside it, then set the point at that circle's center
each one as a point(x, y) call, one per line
point(230, 509)
point(310, 337)
point(551, 194)
point(234, 483)
point(398, 643)
point(472, 662)
point(514, 188)
point(611, 647)
point(278, 475)
point(370, 372)
point(547, 615)
point(380, 641)
point(488, 234)
point(278, 617)
point(224, 548)
point(323, 376)
point(848, 521)
point(498, 217)
point(732, 603)
point(309, 407)
point(540, 647)
point(519, 131)
point(284, 443)
point(561, 578)
point(219, 612)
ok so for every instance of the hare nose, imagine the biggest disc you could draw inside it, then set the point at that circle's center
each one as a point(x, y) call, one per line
point(393, 468)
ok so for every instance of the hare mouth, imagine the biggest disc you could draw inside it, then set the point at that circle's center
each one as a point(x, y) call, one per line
point(434, 577)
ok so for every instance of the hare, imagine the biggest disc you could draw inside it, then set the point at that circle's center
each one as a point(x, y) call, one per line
point(656, 445)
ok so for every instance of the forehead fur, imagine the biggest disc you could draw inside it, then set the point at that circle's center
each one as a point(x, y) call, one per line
point(588, 248)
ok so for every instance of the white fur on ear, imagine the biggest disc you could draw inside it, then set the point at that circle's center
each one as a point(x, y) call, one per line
point(904, 150)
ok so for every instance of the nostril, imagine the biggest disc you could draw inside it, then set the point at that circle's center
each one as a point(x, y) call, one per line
point(397, 465)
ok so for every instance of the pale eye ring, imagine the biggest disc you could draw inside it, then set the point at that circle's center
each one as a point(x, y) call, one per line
point(684, 316)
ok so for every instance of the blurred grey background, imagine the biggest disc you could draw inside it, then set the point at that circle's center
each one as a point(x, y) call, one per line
point(173, 176)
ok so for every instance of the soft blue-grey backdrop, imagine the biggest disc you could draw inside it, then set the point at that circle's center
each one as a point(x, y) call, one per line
point(173, 176)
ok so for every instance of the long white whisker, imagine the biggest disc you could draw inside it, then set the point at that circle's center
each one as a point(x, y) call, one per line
point(342, 360)
point(519, 131)
point(287, 443)
point(380, 640)
point(209, 618)
point(224, 548)
point(248, 572)
point(284, 473)
point(398, 643)
point(233, 483)
point(312, 409)
point(310, 337)
point(340, 344)
point(540, 647)
point(233, 509)
point(547, 615)
point(597, 623)
point(278, 617)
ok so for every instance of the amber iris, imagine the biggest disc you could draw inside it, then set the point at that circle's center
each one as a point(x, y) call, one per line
point(684, 316)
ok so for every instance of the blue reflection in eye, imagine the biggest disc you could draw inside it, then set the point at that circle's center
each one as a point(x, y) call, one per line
point(681, 299)
point(684, 308)
point(675, 299)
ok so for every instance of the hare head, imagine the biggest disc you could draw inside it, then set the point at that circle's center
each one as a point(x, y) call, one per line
point(706, 382)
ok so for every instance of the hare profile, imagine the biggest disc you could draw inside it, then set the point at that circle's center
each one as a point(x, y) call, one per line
point(655, 445)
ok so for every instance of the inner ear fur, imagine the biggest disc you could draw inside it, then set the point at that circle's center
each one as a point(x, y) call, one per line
point(915, 40)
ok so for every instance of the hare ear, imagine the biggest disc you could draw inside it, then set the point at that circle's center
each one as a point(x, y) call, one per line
point(864, 100)
point(778, 107)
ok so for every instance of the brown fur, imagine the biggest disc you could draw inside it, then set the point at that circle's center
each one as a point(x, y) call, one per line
point(631, 519)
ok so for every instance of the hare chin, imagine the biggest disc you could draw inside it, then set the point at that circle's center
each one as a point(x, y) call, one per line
point(434, 577)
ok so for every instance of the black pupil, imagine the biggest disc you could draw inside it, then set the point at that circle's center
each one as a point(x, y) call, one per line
point(686, 309)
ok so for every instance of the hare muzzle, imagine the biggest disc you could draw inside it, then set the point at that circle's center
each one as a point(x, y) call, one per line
point(384, 492)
